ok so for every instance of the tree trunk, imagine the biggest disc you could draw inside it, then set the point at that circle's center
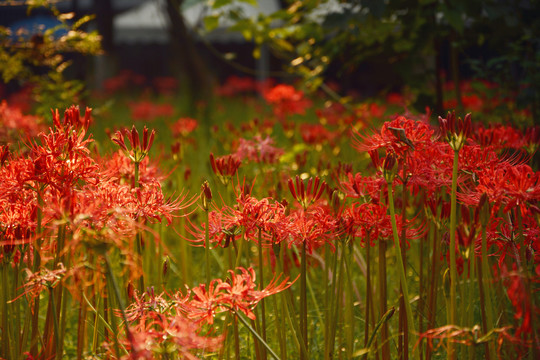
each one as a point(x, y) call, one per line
point(191, 67)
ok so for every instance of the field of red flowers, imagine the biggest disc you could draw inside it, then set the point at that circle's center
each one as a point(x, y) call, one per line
point(268, 224)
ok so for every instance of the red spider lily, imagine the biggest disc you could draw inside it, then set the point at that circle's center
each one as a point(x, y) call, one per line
point(367, 220)
point(63, 159)
point(505, 184)
point(237, 294)
point(253, 215)
point(205, 303)
point(520, 299)
point(369, 112)
point(314, 228)
point(146, 110)
point(149, 203)
point(235, 85)
point(4, 154)
point(137, 152)
point(13, 122)
point(72, 118)
point(220, 231)
point(121, 167)
point(17, 221)
point(316, 134)
point(398, 136)
point(145, 306)
point(357, 186)
point(162, 323)
point(43, 279)
point(286, 100)
point(466, 336)
point(184, 126)
point(258, 150)
point(308, 194)
point(429, 170)
point(242, 292)
point(225, 167)
point(455, 131)
point(498, 137)
point(174, 334)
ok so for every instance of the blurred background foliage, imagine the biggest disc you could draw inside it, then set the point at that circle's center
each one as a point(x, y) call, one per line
point(368, 47)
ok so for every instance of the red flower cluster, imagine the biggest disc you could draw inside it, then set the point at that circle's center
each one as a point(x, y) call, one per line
point(184, 126)
point(258, 150)
point(148, 111)
point(286, 100)
point(13, 123)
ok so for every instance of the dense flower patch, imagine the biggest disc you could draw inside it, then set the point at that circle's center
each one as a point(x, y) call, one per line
point(360, 232)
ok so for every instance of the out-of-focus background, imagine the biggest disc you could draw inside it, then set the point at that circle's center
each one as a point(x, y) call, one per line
point(363, 48)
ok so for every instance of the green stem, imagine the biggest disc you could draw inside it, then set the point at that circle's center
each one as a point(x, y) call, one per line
point(382, 287)
point(116, 290)
point(261, 285)
point(55, 320)
point(349, 302)
point(256, 335)
point(303, 299)
point(401, 269)
point(207, 247)
point(330, 320)
point(5, 323)
point(453, 267)
point(35, 269)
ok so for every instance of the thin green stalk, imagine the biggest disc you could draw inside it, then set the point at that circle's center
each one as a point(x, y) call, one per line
point(35, 269)
point(207, 247)
point(471, 295)
point(256, 335)
point(16, 309)
point(401, 269)
point(483, 310)
point(56, 327)
point(368, 292)
point(280, 328)
point(287, 301)
point(26, 326)
point(384, 319)
point(434, 272)
point(81, 326)
point(119, 300)
point(6, 340)
point(404, 339)
point(303, 301)
point(261, 285)
point(330, 320)
point(382, 287)
point(336, 313)
point(62, 317)
point(349, 303)
point(453, 267)
point(421, 294)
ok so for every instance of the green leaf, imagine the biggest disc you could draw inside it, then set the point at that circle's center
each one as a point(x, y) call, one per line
point(220, 3)
point(211, 22)
point(251, 2)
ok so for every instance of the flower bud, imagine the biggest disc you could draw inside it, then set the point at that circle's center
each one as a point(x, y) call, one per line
point(390, 167)
point(206, 196)
point(130, 291)
point(165, 271)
